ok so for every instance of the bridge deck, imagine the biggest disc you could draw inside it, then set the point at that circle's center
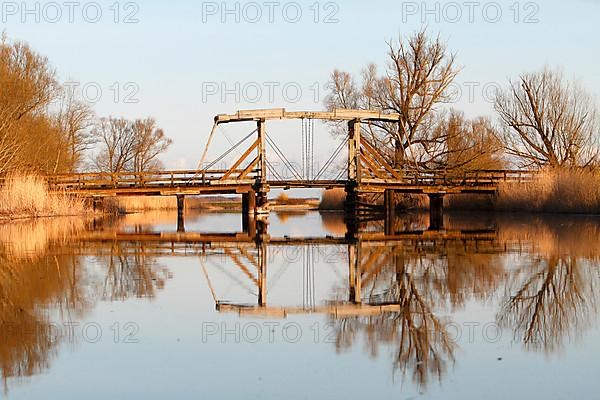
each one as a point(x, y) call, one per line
point(197, 182)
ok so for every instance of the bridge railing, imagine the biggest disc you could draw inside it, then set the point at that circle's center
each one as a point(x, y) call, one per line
point(184, 178)
point(465, 178)
point(189, 178)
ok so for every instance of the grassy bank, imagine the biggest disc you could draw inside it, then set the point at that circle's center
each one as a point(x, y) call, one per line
point(28, 196)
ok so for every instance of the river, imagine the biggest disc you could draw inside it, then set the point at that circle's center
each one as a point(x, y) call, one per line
point(493, 307)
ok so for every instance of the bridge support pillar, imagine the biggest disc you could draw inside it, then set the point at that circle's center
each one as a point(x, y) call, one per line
point(390, 211)
point(351, 212)
point(180, 213)
point(436, 212)
point(249, 213)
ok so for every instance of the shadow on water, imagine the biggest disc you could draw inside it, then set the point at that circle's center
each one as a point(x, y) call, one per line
point(397, 294)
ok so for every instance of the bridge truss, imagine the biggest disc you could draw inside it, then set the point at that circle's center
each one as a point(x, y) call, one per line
point(367, 169)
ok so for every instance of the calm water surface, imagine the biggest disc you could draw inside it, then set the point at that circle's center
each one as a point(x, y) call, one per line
point(494, 307)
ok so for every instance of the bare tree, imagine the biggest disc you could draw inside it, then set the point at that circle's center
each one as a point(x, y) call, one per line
point(417, 77)
point(150, 143)
point(549, 121)
point(129, 146)
point(469, 144)
point(74, 117)
point(116, 139)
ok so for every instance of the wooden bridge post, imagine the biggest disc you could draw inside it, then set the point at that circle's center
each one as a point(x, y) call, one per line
point(246, 204)
point(262, 189)
point(261, 129)
point(390, 212)
point(352, 187)
point(436, 211)
point(180, 213)
point(354, 166)
point(249, 226)
point(248, 213)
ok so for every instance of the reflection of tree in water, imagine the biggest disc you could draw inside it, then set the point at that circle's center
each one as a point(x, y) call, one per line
point(423, 285)
point(553, 292)
point(31, 293)
point(131, 271)
point(554, 299)
point(43, 281)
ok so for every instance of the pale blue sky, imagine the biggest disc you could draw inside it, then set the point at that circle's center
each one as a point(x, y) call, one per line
point(171, 54)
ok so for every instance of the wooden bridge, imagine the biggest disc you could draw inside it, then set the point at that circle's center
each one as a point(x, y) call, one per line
point(367, 169)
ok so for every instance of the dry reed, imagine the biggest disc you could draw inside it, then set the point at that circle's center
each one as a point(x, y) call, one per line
point(23, 196)
point(136, 204)
point(333, 200)
point(559, 191)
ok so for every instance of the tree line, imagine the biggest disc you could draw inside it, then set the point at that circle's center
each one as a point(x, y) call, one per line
point(543, 120)
point(46, 128)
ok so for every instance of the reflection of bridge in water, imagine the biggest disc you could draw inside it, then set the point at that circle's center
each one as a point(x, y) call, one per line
point(382, 293)
point(367, 170)
point(366, 254)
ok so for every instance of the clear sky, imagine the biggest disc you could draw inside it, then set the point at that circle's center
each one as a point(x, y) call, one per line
point(175, 59)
